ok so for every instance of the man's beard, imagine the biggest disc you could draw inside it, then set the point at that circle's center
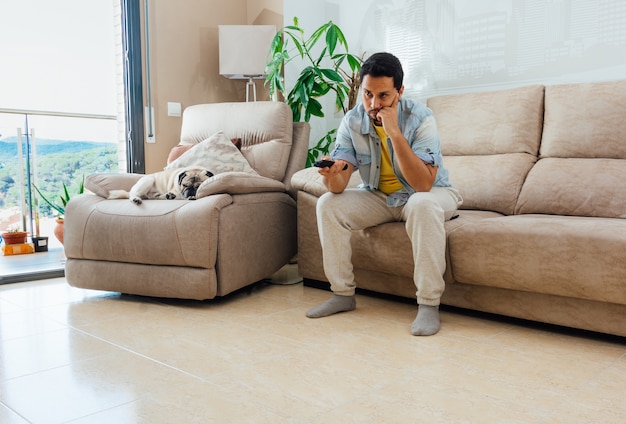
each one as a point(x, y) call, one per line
point(374, 118)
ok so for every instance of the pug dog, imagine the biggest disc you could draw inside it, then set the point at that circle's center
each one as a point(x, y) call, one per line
point(178, 183)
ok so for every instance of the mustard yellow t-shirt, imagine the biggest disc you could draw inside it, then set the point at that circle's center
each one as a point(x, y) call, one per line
point(388, 182)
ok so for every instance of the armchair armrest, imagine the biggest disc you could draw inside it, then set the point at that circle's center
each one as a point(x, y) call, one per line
point(225, 182)
point(100, 184)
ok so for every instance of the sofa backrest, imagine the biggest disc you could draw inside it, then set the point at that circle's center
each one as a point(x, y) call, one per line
point(582, 165)
point(490, 141)
point(265, 128)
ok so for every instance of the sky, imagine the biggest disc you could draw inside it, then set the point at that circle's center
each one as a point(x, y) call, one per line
point(58, 56)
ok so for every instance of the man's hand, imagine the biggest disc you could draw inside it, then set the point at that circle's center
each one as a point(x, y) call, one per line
point(336, 177)
point(335, 169)
point(419, 175)
point(388, 115)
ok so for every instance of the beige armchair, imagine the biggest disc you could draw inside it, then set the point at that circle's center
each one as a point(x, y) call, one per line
point(195, 249)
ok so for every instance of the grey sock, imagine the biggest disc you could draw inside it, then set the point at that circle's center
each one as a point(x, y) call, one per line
point(427, 321)
point(332, 306)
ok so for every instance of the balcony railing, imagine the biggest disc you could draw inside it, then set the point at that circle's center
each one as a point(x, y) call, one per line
point(64, 148)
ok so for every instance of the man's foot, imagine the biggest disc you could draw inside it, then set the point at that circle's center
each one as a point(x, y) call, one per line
point(427, 321)
point(332, 306)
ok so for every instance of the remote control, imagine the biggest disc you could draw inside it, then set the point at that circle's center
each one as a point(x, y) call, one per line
point(324, 163)
point(327, 163)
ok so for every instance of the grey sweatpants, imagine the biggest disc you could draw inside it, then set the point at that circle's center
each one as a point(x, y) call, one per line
point(355, 209)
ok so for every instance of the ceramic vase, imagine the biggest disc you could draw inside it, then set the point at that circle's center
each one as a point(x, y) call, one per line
point(58, 230)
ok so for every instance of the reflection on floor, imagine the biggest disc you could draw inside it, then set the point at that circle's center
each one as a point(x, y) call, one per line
point(81, 356)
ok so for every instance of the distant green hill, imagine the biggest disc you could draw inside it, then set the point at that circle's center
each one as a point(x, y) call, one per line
point(58, 162)
point(8, 146)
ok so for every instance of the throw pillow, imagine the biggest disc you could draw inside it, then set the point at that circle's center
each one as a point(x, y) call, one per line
point(179, 149)
point(217, 154)
point(237, 183)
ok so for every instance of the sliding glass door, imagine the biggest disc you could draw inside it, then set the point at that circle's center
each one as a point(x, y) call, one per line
point(62, 103)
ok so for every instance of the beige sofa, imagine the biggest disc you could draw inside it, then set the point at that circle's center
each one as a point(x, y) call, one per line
point(241, 230)
point(542, 231)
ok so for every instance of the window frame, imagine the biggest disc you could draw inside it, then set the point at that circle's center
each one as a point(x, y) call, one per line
point(133, 86)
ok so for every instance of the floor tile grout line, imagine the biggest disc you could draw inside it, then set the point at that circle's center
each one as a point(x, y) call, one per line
point(15, 412)
point(141, 355)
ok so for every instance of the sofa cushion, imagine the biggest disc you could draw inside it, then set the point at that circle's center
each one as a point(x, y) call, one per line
point(217, 154)
point(581, 187)
point(266, 134)
point(585, 121)
point(583, 153)
point(490, 123)
point(490, 141)
point(490, 182)
point(557, 255)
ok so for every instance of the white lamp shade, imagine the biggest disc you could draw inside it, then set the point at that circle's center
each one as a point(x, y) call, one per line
point(244, 50)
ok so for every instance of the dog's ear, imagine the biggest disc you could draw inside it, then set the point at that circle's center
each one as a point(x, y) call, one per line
point(209, 174)
point(181, 176)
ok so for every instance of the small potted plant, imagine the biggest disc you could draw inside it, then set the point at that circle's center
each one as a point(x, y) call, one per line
point(64, 197)
point(14, 235)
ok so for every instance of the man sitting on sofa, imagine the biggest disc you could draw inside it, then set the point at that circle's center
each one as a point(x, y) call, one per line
point(394, 143)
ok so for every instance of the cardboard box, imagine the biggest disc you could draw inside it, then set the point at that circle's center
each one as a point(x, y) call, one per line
point(17, 249)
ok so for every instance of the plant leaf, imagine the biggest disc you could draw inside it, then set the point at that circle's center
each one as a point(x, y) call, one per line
point(277, 44)
point(320, 57)
point(314, 108)
point(332, 75)
point(340, 37)
point(297, 43)
point(354, 62)
point(317, 34)
point(331, 39)
point(60, 209)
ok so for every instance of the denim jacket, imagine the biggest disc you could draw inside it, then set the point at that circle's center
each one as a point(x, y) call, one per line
point(358, 143)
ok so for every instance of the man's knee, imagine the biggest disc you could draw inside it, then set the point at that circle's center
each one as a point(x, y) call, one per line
point(422, 202)
point(326, 202)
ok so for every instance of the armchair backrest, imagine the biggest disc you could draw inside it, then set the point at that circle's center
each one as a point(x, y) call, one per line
point(273, 144)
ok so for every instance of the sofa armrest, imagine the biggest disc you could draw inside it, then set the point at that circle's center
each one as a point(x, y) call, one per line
point(238, 183)
point(309, 180)
point(101, 184)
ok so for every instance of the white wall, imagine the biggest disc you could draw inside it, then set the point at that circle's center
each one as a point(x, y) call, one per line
point(482, 45)
point(478, 45)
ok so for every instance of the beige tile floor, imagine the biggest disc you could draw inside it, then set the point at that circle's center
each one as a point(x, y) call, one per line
point(79, 356)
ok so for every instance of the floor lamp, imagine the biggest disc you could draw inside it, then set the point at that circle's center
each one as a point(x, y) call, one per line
point(243, 52)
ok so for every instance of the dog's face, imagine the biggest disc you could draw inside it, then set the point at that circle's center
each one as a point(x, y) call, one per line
point(190, 180)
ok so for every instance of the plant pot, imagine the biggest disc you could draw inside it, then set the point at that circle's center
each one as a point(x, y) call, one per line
point(41, 243)
point(59, 229)
point(14, 238)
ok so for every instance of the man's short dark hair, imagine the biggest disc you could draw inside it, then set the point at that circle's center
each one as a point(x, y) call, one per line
point(384, 65)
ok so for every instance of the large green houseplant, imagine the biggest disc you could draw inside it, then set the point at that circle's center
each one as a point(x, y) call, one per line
point(329, 69)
